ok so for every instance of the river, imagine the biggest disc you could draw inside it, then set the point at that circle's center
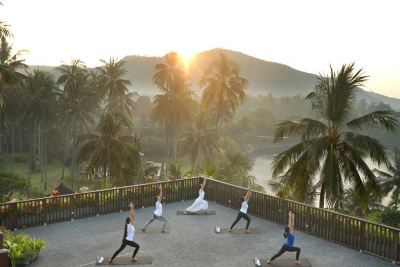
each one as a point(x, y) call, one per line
point(262, 171)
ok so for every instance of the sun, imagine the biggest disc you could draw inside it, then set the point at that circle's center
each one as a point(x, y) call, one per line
point(187, 59)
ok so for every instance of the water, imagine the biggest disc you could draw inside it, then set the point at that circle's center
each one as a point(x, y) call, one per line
point(262, 171)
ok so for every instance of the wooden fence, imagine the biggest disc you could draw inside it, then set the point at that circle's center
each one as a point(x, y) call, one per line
point(372, 238)
point(47, 210)
point(369, 237)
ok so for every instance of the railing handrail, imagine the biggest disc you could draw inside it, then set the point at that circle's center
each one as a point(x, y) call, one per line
point(307, 205)
point(91, 192)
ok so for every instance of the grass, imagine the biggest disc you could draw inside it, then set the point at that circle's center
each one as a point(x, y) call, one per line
point(54, 171)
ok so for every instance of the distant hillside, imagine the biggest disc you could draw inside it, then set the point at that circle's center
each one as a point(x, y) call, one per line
point(264, 77)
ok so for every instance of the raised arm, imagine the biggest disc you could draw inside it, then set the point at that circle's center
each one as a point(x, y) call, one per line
point(132, 213)
point(203, 184)
point(160, 195)
point(291, 219)
point(248, 194)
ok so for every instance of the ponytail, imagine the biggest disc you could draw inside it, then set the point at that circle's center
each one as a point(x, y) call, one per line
point(127, 220)
point(126, 230)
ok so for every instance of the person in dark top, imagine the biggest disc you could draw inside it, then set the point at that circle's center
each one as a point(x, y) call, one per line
point(288, 246)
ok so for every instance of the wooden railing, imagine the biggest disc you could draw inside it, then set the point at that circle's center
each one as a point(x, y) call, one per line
point(42, 211)
point(368, 237)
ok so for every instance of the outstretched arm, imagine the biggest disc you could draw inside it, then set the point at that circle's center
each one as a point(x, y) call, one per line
point(248, 194)
point(161, 193)
point(132, 213)
point(204, 184)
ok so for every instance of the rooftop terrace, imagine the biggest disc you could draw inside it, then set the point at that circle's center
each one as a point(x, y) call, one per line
point(192, 241)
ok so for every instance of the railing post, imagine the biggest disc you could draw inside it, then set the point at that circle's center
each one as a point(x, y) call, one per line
point(362, 236)
point(96, 203)
point(44, 212)
point(14, 216)
point(3, 253)
point(395, 245)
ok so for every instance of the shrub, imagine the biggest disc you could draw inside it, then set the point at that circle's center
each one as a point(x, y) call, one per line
point(22, 248)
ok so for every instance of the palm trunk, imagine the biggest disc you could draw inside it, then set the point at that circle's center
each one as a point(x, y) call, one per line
point(45, 164)
point(12, 150)
point(40, 152)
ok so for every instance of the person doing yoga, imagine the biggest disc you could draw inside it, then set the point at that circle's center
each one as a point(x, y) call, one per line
point(288, 246)
point(243, 210)
point(129, 234)
point(157, 215)
point(199, 205)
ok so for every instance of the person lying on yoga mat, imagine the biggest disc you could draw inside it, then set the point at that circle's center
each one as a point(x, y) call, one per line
point(288, 246)
point(243, 210)
point(157, 215)
point(129, 234)
point(199, 205)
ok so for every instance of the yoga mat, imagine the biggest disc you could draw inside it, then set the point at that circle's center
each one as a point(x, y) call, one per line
point(208, 212)
point(285, 262)
point(238, 231)
point(127, 260)
point(153, 230)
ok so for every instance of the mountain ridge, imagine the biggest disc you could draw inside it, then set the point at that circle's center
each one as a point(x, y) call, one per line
point(264, 77)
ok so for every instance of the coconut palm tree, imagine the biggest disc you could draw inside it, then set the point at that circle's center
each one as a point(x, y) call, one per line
point(77, 108)
point(109, 153)
point(115, 88)
point(40, 95)
point(201, 140)
point(173, 109)
point(224, 89)
point(390, 180)
point(331, 148)
point(10, 81)
point(167, 73)
point(10, 67)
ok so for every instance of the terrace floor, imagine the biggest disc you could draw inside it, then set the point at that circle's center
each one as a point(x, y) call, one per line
point(191, 242)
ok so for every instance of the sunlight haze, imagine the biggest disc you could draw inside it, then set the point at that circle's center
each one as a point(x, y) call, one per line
point(306, 35)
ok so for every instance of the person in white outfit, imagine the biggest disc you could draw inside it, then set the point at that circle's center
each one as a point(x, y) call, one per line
point(243, 210)
point(157, 215)
point(129, 235)
point(199, 205)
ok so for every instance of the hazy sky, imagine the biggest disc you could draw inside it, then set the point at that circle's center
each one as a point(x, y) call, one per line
point(306, 35)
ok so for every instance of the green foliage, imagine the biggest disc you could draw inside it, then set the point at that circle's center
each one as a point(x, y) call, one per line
point(22, 248)
point(11, 184)
point(331, 148)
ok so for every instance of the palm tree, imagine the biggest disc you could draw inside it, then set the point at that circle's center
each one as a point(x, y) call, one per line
point(390, 181)
point(77, 108)
point(330, 146)
point(40, 94)
point(10, 66)
point(201, 140)
point(174, 108)
point(109, 153)
point(10, 81)
point(224, 89)
point(115, 88)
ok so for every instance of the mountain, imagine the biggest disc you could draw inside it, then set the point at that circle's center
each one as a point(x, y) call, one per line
point(264, 77)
